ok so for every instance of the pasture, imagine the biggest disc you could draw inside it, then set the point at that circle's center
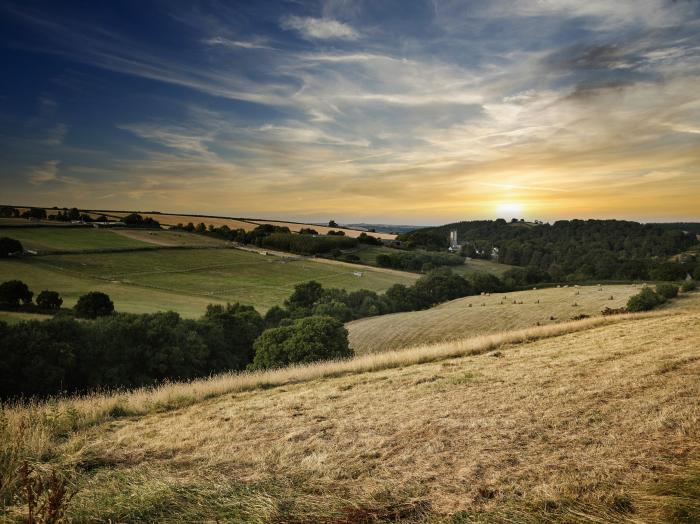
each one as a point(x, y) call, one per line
point(167, 238)
point(49, 239)
point(476, 315)
point(187, 280)
point(588, 421)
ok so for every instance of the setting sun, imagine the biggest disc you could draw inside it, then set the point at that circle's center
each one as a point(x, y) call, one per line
point(509, 210)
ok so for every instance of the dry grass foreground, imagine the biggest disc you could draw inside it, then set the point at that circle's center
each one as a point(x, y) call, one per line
point(560, 429)
point(477, 315)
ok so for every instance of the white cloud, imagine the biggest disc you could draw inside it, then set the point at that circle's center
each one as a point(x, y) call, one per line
point(44, 173)
point(242, 44)
point(319, 28)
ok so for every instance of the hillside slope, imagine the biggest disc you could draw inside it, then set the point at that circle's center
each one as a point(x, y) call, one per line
point(573, 428)
point(476, 315)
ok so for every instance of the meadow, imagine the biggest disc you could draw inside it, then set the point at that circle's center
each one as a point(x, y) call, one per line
point(476, 315)
point(593, 420)
point(49, 239)
point(186, 280)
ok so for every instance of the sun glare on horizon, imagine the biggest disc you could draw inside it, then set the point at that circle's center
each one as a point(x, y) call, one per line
point(509, 210)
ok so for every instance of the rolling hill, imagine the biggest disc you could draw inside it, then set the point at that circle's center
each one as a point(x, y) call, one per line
point(589, 421)
point(186, 280)
point(478, 315)
point(248, 224)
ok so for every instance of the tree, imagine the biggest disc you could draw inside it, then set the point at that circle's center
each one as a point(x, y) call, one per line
point(94, 304)
point(305, 295)
point(668, 270)
point(73, 214)
point(645, 300)
point(667, 291)
point(274, 316)
point(14, 291)
point(49, 300)
point(8, 212)
point(310, 339)
point(229, 333)
point(332, 223)
point(35, 212)
point(9, 246)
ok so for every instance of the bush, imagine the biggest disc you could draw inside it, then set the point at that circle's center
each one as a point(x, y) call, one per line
point(646, 300)
point(49, 300)
point(94, 304)
point(9, 246)
point(689, 285)
point(310, 339)
point(14, 291)
point(667, 290)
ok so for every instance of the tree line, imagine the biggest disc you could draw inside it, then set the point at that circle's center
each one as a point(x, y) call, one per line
point(110, 350)
point(306, 242)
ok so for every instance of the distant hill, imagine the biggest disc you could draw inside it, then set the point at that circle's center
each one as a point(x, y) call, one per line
point(572, 249)
point(384, 228)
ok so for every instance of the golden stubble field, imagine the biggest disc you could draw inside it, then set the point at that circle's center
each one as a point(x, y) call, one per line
point(579, 426)
point(476, 315)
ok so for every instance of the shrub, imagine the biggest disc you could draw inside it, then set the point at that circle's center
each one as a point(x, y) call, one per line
point(667, 290)
point(94, 304)
point(9, 246)
point(689, 285)
point(645, 300)
point(49, 300)
point(14, 291)
point(307, 340)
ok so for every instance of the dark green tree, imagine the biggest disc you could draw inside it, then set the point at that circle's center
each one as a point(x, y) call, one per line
point(305, 295)
point(94, 304)
point(49, 300)
point(9, 246)
point(13, 292)
point(645, 300)
point(308, 340)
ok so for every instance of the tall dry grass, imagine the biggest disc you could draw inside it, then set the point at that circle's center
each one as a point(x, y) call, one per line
point(30, 429)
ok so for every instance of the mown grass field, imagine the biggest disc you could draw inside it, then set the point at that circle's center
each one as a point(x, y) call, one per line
point(170, 238)
point(589, 421)
point(477, 315)
point(186, 280)
point(476, 265)
point(65, 238)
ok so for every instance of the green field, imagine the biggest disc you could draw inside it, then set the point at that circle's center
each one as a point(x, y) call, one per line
point(66, 238)
point(186, 280)
point(475, 265)
point(368, 256)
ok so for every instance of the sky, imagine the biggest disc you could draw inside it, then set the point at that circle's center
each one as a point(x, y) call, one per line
point(392, 111)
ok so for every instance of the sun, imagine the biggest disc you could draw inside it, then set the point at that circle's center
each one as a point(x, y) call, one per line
point(509, 210)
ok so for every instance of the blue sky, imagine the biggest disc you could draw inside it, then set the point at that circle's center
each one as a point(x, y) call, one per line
point(392, 111)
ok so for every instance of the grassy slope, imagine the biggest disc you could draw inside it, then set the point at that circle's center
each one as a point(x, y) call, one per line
point(456, 319)
point(57, 238)
point(185, 280)
point(171, 238)
point(564, 429)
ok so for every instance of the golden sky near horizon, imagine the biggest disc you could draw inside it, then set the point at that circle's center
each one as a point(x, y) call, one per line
point(437, 112)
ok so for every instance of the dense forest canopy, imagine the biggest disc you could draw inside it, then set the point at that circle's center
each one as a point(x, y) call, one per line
point(567, 248)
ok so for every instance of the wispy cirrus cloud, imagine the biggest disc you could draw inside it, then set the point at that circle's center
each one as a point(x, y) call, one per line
point(46, 172)
point(319, 28)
